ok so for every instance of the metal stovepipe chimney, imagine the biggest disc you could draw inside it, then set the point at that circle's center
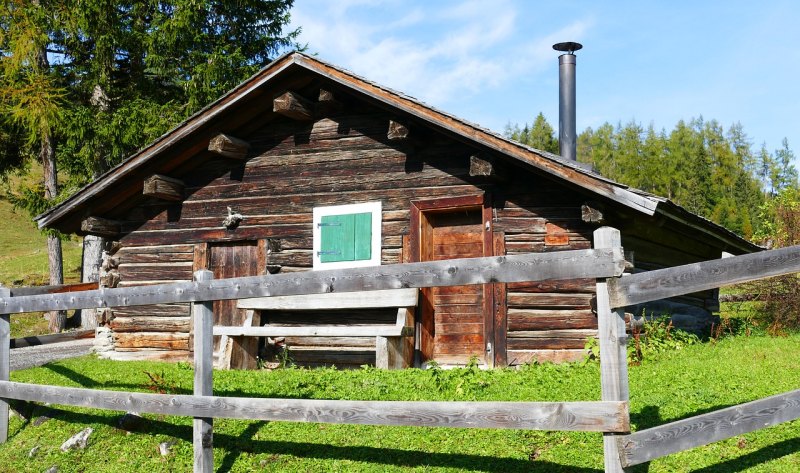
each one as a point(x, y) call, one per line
point(566, 99)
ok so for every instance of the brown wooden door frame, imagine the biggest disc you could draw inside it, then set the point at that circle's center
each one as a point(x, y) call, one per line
point(418, 226)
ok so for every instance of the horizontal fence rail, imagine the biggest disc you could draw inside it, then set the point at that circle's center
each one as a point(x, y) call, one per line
point(593, 416)
point(663, 283)
point(700, 430)
point(572, 264)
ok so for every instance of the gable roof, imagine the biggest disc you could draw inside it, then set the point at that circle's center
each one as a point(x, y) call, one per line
point(67, 215)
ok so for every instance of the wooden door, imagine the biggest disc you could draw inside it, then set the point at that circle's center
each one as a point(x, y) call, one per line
point(233, 260)
point(456, 324)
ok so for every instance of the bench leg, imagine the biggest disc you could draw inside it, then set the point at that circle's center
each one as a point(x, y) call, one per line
point(390, 353)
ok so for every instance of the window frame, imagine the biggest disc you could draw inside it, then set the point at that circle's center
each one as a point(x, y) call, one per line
point(375, 208)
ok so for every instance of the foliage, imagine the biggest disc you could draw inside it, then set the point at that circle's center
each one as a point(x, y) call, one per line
point(780, 304)
point(116, 75)
point(676, 385)
point(653, 337)
point(699, 165)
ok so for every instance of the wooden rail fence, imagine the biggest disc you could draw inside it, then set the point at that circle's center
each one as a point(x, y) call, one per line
point(610, 415)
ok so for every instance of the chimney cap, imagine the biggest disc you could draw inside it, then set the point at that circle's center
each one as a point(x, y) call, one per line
point(568, 47)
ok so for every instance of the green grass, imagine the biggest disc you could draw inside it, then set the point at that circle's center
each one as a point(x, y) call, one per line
point(23, 262)
point(693, 380)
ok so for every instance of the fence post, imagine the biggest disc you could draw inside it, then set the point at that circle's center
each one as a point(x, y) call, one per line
point(613, 350)
point(5, 356)
point(203, 435)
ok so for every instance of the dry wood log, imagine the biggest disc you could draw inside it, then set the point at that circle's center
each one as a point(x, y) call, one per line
point(177, 341)
point(294, 106)
point(591, 213)
point(229, 146)
point(480, 166)
point(163, 187)
point(150, 324)
point(397, 131)
point(102, 227)
point(327, 102)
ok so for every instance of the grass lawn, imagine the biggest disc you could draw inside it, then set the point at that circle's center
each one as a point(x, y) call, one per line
point(675, 385)
point(23, 262)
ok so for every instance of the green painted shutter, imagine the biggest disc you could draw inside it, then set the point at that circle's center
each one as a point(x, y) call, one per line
point(345, 237)
point(363, 236)
point(337, 238)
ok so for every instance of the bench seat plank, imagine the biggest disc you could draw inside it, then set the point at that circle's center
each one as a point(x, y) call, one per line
point(335, 300)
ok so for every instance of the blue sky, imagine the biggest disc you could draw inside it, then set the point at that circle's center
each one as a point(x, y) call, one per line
point(491, 62)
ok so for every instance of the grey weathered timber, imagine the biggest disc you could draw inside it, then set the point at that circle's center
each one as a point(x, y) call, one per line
point(294, 106)
point(335, 300)
point(481, 166)
point(163, 187)
point(696, 277)
point(383, 330)
point(52, 338)
point(573, 264)
point(229, 146)
point(590, 416)
point(5, 367)
point(677, 436)
point(397, 131)
point(99, 226)
point(613, 356)
point(202, 439)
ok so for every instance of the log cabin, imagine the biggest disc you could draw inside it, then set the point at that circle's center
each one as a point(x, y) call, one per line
point(307, 166)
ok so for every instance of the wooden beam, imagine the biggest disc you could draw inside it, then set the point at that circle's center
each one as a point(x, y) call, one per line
point(101, 227)
point(696, 277)
point(335, 300)
point(383, 330)
point(591, 213)
point(613, 350)
point(572, 264)
point(163, 187)
point(327, 102)
point(590, 416)
point(52, 338)
point(202, 426)
point(480, 166)
point(5, 365)
point(397, 131)
point(229, 146)
point(294, 106)
point(722, 424)
point(54, 289)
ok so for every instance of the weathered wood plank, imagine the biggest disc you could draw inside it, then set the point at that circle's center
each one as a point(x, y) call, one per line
point(229, 146)
point(656, 442)
point(202, 426)
point(5, 366)
point(335, 300)
point(382, 330)
point(397, 131)
point(150, 324)
point(163, 187)
point(613, 353)
point(54, 289)
point(52, 338)
point(695, 277)
point(294, 106)
point(457, 272)
point(592, 416)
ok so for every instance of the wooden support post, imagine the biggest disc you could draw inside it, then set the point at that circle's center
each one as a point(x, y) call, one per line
point(203, 315)
point(163, 187)
point(613, 350)
point(5, 354)
point(482, 166)
point(229, 147)
point(294, 106)
point(327, 102)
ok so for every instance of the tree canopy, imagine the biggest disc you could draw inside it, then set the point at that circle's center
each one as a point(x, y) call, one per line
point(700, 165)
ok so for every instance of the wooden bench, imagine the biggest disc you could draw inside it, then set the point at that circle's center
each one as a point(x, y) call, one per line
point(393, 342)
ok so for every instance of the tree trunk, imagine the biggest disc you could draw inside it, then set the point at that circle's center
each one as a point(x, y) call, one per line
point(90, 272)
point(47, 156)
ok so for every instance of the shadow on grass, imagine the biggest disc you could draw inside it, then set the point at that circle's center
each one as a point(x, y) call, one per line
point(235, 445)
point(760, 456)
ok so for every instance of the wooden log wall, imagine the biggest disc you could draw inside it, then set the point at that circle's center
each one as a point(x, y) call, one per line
point(294, 166)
